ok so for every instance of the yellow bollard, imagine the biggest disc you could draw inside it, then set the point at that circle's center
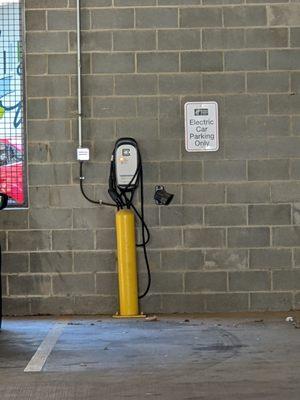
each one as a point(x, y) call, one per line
point(127, 265)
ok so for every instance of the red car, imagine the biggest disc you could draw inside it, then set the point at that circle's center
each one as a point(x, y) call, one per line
point(11, 170)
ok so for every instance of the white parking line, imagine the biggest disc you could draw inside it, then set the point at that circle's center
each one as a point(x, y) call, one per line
point(39, 359)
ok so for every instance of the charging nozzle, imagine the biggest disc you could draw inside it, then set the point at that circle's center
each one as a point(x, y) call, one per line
point(162, 197)
point(3, 201)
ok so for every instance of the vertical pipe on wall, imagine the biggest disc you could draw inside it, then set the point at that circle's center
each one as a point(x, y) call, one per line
point(79, 73)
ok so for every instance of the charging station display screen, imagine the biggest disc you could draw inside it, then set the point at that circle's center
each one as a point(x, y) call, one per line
point(12, 137)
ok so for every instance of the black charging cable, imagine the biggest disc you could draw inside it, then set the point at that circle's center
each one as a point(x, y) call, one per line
point(0, 286)
point(81, 179)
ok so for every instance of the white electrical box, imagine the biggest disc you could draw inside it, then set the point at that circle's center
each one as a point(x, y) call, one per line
point(201, 126)
point(126, 165)
point(83, 154)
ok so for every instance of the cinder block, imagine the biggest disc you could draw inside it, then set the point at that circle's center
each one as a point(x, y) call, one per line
point(200, 17)
point(35, 20)
point(138, 127)
point(204, 237)
point(233, 126)
point(284, 59)
point(177, 39)
point(37, 109)
point(245, 60)
point(284, 147)
point(29, 240)
point(205, 282)
point(181, 215)
point(246, 149)
point(105, 239)
point(95, 85)
point(226, 259)
point(270, 214)
point(47, 42)
point(263, 125)
point(92, 41)
point(266, 37)
point(227, 302)
point(43, 218)
point(71, 284)
point(140, 3)
point(295, 169)
point(286, 280)
point(147, 106)
point(38, 152)
point(51, 262)
point(244, 104)
point(16, 306)
point(222, 171)
point(157, 18)
point(178, 2)
point(249, 237)
point(225, 215)
point(162, 238)
point(57, 130)
point(203, 194)
point(295, 40)
point(39, 197)
point(98, 304)
point(181, 260)
point(223, 83)
point(45, 86)
point(36, 64)
point(61, 107)
point(264, 170)
point(296, 125)
point(295, 82)
point(25, 285)
point(91, 218)
point(179, 84)
point(268, 82)
point(113, 63)
point(223, 39)
point(286, 236)
point(244, 281)
point(158, 62)
point(46, 4)
point(135, 84)
point(13, 263)
point(134, 40)
point(13, 220)
point(183, 303)
point(50, 174)
point(52, 305)
point(112, 19)
point(284, 14)
point(107, 284)
point(72, 239)
point(164, 282)
point(270, 258)
point(114, 107)
point(65, 20)
point(62, 151)
point(201, 61)
point(282, 301)
point(285, 191)
point(245, 16)
point(184, 171)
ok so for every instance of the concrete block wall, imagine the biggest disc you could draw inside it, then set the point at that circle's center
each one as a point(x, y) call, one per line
point(231, 239)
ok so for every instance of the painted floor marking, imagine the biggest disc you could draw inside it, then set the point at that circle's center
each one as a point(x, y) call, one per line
point(44, 350)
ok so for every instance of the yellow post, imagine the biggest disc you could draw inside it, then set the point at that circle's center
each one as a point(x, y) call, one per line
point(127, 264)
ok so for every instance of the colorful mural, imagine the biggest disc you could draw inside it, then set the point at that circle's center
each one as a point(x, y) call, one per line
point(12, 143)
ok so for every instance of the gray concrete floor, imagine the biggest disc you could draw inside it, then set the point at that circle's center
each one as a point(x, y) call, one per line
point(179, 358)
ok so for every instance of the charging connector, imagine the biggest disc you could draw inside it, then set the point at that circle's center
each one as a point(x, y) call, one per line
point(83, 154)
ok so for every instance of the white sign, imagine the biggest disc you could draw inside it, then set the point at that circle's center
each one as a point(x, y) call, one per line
point(201, 126)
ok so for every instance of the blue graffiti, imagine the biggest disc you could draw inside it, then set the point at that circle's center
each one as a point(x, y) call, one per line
point(5, 86)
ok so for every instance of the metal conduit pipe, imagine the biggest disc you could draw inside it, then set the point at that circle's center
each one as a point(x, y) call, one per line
point(79, 74)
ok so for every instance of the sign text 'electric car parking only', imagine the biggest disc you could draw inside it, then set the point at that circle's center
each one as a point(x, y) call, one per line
point(201, 126)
